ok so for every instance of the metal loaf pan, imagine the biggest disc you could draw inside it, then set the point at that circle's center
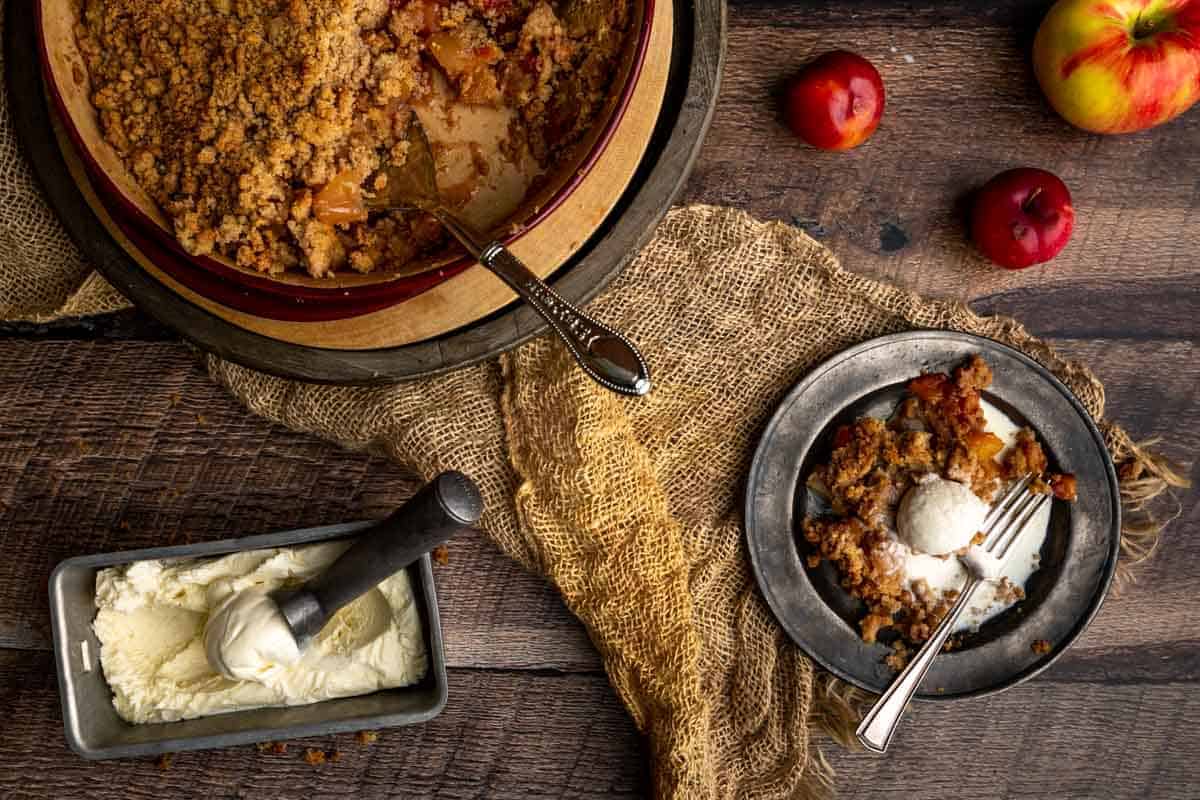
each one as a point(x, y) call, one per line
point(93, 728)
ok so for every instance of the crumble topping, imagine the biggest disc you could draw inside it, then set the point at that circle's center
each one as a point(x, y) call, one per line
point(938, 429)
point(234, 114)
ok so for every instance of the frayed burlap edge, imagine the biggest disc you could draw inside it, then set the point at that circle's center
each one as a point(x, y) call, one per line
point(1148, 501)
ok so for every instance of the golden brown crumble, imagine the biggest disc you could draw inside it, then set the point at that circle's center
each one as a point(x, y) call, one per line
point(367, 737)
point(898, 658)
point(233, 114)
point(314, 756)
point(1041, 646)
point(939, 428)
point(1008, 592)
point(1064, 487)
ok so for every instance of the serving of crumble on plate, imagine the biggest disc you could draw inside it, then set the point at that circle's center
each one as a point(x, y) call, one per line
point(877, 470)
point(907, 496)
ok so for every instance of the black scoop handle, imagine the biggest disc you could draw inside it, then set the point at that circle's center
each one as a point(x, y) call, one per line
point(444, 506)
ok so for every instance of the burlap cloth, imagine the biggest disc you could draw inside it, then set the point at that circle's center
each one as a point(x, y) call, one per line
point(629, 507)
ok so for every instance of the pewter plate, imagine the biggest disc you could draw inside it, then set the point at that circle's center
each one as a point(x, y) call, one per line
point(1078, 558)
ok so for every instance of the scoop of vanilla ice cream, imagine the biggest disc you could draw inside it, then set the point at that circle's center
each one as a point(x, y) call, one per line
point(939, 516)
point(247, 638)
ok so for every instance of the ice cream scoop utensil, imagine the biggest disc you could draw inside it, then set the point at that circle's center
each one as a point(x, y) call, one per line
point(447, 504)
point(1006, 521)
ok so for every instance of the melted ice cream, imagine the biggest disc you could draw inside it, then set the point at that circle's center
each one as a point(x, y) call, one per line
point(943, 574)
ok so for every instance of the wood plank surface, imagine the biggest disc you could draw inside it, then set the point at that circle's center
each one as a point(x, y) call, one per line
point(508, 734)
point(112, 437)
point(962, 105)
point(182, 462)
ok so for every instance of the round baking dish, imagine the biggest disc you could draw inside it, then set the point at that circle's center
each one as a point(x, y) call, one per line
point(694, 52)
point(553, 229)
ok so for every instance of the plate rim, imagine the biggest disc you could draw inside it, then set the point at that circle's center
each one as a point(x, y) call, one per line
point(811, 376)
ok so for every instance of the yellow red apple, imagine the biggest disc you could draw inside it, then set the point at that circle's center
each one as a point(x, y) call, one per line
point(1118, 66)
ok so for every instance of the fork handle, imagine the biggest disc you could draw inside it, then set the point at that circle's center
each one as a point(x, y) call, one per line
point(881, 722)
point(603, 353)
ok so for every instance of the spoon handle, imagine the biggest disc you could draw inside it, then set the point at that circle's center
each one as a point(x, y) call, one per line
point(603, 353)
point(444, 506)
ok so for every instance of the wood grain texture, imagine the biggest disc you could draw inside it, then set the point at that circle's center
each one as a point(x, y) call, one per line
point(1045, 740)
point(110, 422)
point(504, 735)
point(962, 105)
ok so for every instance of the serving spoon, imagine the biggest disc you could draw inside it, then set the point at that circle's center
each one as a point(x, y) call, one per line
point(603, 353)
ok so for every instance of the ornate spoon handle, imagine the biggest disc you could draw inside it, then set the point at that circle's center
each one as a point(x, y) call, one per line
point(603, 353)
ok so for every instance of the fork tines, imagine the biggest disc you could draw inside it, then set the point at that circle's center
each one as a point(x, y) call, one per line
point(1009, 516)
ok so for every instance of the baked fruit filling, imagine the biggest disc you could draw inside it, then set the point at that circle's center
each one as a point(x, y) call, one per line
point(254, 124)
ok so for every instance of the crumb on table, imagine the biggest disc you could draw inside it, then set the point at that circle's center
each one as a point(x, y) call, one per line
point(1131, 470)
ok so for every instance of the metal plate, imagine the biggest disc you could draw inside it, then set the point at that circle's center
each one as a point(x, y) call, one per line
point(1078, 559)
point(94, 730)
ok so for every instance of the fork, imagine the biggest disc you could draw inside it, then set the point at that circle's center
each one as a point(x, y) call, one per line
point(1002, 526)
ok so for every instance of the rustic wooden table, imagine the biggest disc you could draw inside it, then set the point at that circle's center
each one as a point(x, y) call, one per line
point(111, 438)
